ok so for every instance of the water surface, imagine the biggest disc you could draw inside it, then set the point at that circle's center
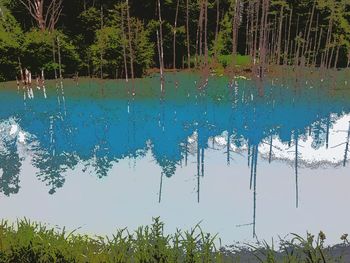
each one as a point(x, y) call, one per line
point(91, 155)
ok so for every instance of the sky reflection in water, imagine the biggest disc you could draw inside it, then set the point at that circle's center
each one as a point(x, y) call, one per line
point(245, 165)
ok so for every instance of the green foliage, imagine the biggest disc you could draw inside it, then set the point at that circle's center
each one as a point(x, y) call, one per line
point(107, 50)
point(223, 45)
point(91, 21)
point(38, 51)
point(10, 44)
point(108, 46)
point(95, 29)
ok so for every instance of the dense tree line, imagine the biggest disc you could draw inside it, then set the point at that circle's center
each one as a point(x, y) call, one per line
point(124, 38)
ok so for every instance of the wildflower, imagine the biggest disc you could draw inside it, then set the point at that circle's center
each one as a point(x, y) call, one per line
point(344, 237)
point(322, 236)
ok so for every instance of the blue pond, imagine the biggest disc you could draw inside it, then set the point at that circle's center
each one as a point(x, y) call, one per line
point(247, 166)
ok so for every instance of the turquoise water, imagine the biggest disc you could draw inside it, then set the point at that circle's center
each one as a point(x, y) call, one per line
point(89, 155)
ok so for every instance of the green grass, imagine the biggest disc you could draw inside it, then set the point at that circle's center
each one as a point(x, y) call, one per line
point(223, 61)
point(240, 60)
point(27, 241)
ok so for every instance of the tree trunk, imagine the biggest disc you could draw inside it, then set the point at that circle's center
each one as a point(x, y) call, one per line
point(217, 23)
point(54, 56)
point(174, 39)
point(124, 48)
point(288, 41)
point(160, 50)
point(235, 27)
point(336, 58)
point(188, 35)
point(328, 41)
point(318, 48)
point(309, 31)
point(331, 56)
point(130, 41)
point(46, 16)
point(160, 62)
point(280, 36)
point(59, 57)
point(161, 35)
point(101, 51)
point(296, 41)
point(200, 24)
point(256, 30)
point(206, 32)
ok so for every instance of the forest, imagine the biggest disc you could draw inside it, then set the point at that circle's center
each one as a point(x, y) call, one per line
point(128, 38)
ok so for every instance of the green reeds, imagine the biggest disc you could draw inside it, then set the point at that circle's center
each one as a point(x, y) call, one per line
point(26, 241)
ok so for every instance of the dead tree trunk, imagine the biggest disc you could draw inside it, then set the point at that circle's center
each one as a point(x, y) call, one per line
point(101, 51)
point(46, 16)
point(235, 27)
point(188, 36)
point(131, 53)
point(328, 41)
point(336, 58)
point(256, 30)
point(124, 48)
point(309, 30)
point(217, 24)
point(175, 31)
point(200, 28)
point(161, 34)
point(288, 41)
point(280, 36)
point(206, 32)
point(318, 48)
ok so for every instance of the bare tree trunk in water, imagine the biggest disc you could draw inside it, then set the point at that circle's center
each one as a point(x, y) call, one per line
point(124, 48)
point(188, 35)
point(161, 39)
point(200, 27)
point(130, 41)
point(174, 39)
point(160, 62)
